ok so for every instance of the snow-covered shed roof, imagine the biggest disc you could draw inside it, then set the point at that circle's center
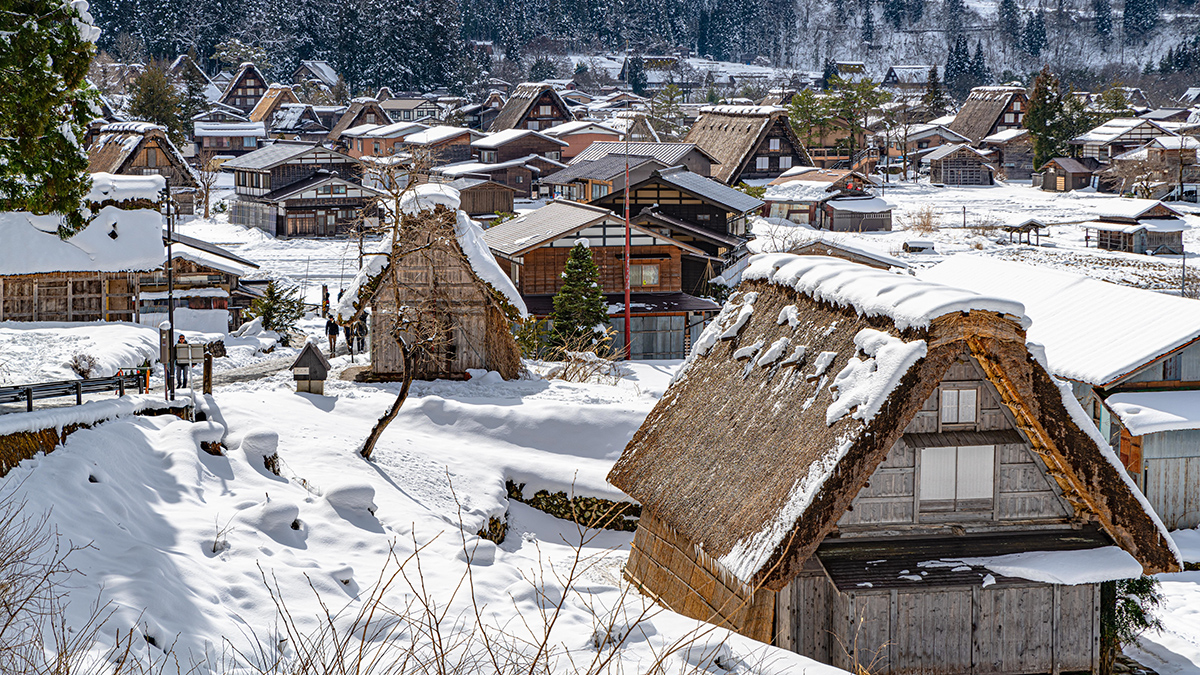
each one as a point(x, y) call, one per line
point(1006, 135)
point(1115, 128)
point(254, 129)
point(581, 126)
point(464, 168)
point(470, 239)
point(1150, 412)
point(492, 141)
point(798, 390)
point(32, 244)
point(435, 135)
point(859, 204)
point(1073, 316)
point(943, 151)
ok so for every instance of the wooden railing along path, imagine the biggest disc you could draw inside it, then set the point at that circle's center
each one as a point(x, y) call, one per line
point(77, 388)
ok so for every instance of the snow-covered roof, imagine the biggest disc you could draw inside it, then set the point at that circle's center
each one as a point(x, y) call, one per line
point(1093, 331)
point(1149, 225)
point(798, 191)
point(1005, 136)
point(752, 110)
point(1176, 143)
point(32, 244)
point(859, 204)
point(257, 129)
point(323, 71)
point(943, 151)
point(1133, 208)
point(470, 239)
point(908, 301)
point(1115, 128)
point(492, 141)
point(586, 126)
point(120, 188)
point(464, 168)
point(396, 130)
point(435, 135)
point(1149, 412)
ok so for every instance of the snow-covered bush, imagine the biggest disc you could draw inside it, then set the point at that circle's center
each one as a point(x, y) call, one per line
point(83, 365)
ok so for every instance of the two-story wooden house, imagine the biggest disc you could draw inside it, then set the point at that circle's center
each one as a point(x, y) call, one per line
point(360, 111)
point(533, 251)
point(694, 210)
point(1139, 379)
point(297, 189)
point(443, 145)
point(581, 134)
point(230, 139)
point(878, 472)
point(143, 149)
point(586, 181)
point(378, 140)
point(748, 142)
point(1117, 136)
point(510, 144)
point(245, 89)
point(534, 106)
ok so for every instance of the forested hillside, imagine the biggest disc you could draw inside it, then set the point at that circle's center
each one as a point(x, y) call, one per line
point(422, 44)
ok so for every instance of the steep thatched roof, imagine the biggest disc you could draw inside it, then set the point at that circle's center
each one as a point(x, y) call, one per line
point(117, 145)
point(277, 95)
point(522, 99)
point(355, 115)
point(983, 107)
point(797, 391)
point(731, 134)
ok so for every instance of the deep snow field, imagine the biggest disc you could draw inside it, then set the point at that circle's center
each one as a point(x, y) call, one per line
point(190, 550)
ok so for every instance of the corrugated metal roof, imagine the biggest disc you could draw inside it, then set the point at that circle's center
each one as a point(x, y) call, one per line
point(734, 200)
point(549, 222)
point(605, 168)
point(670, 154)
point(269, 156)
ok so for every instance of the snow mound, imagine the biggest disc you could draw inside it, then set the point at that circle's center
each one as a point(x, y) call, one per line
point(427, 196)
point(863, 385)
point(352, 498)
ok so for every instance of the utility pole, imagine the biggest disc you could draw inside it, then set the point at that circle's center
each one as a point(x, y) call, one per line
point(170, 379)
point(628, 313)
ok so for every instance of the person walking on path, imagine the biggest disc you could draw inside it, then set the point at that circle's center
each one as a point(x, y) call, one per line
point(331, 331)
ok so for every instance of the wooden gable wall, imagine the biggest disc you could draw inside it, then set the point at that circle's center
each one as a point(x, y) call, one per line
point(779, 160)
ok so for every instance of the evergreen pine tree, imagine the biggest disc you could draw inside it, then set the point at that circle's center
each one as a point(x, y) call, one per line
point(1102, 13)
point(868, 23)
point(579, 306)
point(894, 12)
point(828, 74)
point(1033, 37)
point(46, 103)
point(1139, 20)
point(155, 99)
point(980, 74)
point(916, 10)
point(542, 69)
point(1043, 116)
point(1008, 21)
point(635, 74)
point(935, 100)
point(953, 15)
point(280, 308)
point(958, 68)
point(840, 12)
point(808, 117)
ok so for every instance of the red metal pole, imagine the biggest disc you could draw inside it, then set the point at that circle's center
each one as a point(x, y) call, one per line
point(628, 344)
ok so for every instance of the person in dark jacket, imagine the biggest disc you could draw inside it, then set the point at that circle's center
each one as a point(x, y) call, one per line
point(360, 334)
point(331, 331)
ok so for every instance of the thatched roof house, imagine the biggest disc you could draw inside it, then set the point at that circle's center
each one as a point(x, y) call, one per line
point(139, 149)
point(748, 142)
point(533, 105)
point(447, 282)
point(988, 110)
point(863, 451)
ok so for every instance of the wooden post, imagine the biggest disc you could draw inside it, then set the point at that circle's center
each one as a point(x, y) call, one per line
point(78, 392)
point(208, 372)
point(29, 399)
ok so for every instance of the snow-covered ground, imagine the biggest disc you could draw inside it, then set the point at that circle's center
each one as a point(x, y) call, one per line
point(185, 547)
point(181, 540)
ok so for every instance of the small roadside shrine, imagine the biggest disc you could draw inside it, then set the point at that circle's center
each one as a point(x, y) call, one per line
point(310, 370)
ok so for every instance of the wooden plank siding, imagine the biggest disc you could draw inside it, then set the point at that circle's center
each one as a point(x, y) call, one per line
point(543, 268)
point(1023, 491)
point(1000, 630)
point(69, 296)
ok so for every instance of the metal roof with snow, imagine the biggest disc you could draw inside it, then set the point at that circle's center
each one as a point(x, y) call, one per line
point(495, 140)
point(604, 169)
point(734, 200)
point(670, 154)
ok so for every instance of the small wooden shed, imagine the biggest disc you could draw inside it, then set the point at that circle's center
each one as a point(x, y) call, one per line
point(959, 165)
point(1064, 174)
point(447, 284)
point(846, 464)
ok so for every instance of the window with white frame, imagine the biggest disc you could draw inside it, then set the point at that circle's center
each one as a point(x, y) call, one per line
point(487, 156)
point(762, 163)
point(532, 125)
point(957, 478)
point(959, 405)
point(1009, 118)
point(785, 162)
point(773, 145)
point(554, 155)
point(545, 110)
point(643, 275)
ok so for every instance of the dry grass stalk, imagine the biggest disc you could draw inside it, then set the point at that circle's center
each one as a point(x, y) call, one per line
point(923, 221)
